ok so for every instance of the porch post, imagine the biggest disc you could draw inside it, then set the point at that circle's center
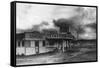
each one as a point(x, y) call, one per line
point(67, 44)
point(64, 45)
point(25, 46)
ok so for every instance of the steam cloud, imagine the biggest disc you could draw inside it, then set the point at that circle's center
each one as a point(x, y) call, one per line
point(39, 17)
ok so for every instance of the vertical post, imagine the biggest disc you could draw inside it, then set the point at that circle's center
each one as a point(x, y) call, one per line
point(61, 46)
point(57, 46)
point(64, 44)
point(38, 46)
point(25, 47)
point(67, 44)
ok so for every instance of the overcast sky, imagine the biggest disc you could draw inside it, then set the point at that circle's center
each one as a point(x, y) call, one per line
point(29, 15)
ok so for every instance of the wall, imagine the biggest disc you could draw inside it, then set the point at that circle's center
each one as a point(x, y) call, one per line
point(29, 48)
point(5, 34)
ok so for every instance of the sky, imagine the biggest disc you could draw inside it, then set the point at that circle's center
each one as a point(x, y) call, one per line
point(32, 15)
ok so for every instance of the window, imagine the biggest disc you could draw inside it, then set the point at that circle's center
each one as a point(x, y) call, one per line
point(18, 43)
point(22, 43)
point(27, 43)
point(43, 43)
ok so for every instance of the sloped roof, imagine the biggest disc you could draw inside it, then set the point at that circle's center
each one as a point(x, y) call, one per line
point(44, 35)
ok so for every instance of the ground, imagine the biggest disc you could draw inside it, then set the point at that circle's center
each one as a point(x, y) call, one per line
point(71, 55)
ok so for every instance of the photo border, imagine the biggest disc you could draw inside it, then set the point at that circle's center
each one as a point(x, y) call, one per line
point(13, 32)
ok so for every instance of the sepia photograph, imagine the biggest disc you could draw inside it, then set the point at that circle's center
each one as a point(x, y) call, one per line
point(52, 34)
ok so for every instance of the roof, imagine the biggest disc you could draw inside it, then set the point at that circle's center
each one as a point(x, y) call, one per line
point(36, 35)
point(19, 36)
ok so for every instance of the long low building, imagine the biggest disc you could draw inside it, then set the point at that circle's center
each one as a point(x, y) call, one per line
point(35, 42)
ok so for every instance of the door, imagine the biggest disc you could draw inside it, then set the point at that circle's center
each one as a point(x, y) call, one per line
point(37, 47)
point(32, 48)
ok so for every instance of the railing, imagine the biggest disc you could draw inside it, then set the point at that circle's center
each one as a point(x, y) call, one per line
point(65, 36)
point(49, 35)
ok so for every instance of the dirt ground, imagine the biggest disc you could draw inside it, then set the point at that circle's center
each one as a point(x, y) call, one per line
point(72, 55)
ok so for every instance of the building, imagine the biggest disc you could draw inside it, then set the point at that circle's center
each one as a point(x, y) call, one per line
point(35, 42)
